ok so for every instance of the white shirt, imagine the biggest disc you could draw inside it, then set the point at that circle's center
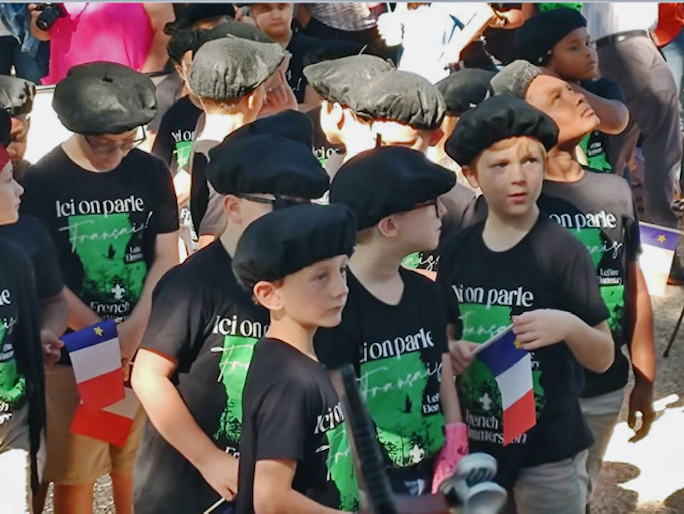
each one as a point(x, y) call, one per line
point(604, 19)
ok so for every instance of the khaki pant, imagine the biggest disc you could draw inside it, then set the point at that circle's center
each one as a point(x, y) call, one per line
point(75, 459)
point(15, 464)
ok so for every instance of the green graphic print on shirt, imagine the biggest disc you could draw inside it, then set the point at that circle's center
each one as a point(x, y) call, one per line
point(114, 269)
point(409, 421)
point(610, 285)
point(236, 356)
point(341, 470)
point(182, 152)
point(12, 384)
point(478, 388)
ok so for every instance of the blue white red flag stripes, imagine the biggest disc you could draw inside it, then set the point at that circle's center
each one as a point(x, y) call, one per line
point(512, 369)
point(96, 359)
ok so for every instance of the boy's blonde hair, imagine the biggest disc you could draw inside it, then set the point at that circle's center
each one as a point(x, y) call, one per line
point(526, 143)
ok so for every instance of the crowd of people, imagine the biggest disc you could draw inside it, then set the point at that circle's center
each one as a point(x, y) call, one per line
point(318, 185)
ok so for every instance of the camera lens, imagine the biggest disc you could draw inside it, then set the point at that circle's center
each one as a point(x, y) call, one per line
point(47, 18)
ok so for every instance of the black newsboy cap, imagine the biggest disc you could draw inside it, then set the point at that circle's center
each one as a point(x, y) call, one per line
point(465, 89)
point(16, 95)
point(388, 180)
point(230, 67)
point(399, 96)
point(288, 240)
point(535, 39)
point(496, 119)
point(104, 98)
point(266, 163)
point(291, 124)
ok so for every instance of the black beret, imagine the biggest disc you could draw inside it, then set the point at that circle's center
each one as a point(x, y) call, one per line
point(266, 164)
point(465, 89)
point(104, 98)
point(180, 42)
point(16, 95)
point(287, 240)
point(198, 12)
point(515, 78)
point(291, 124)
point(333, 80)
point(535, 39)
point(496, 119)
point(231, 28)
point(5, 128)
point(388, 180)
point(399, 96)
point(329, 49)
point(231, 67)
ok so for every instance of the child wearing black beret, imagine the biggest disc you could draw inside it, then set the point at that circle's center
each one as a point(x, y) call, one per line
point(191, 368)
point(519, 268)
point(294, 453)
point(393, 327)
point(111, 211)
point(558, 41)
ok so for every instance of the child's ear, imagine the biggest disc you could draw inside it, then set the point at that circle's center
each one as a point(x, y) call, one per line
point(231, 208)
point(388, 226)
point(435, 136)
point(266, 293)
point(470, 176)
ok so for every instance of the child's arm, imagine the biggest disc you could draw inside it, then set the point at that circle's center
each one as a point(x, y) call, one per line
point(447, 393)
point(642, 350)
point(613, 114)
point(593, 347)
point(273, 493)
point(168, 413)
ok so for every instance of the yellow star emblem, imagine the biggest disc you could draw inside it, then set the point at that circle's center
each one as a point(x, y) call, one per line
point(517, 344)
point(661, 238)
point(98, 331)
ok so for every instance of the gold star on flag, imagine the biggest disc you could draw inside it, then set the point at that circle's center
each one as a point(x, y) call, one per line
point(98, 331)
point(517, 344)
point(661, 238)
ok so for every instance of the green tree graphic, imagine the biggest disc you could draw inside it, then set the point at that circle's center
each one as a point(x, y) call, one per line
point(341, 470)
point(12, 385)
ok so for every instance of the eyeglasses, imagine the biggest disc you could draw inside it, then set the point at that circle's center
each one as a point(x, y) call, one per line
point(429, 203)
point(279, 202)
point(110, 148)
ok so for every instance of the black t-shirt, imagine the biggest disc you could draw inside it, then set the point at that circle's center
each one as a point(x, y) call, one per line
point(600, 211)
point(299, 45)
point(203, 320)
point(595, 144)
point(397, 352)
point(21, 362)
point(104, 225)
point(292, 412)
point(30, 234)
point(547, 269)
point(176, 134)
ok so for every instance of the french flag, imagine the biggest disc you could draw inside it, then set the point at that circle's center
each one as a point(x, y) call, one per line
point(112, 424)
point(512, 369)
point(96, 358)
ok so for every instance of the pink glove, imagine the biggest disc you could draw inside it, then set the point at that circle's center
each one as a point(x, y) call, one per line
point(454, 449)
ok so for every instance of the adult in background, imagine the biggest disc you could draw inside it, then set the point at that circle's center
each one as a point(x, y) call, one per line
point(111, 211)
point(18, 47)
point(628, 56)
point(89, 32)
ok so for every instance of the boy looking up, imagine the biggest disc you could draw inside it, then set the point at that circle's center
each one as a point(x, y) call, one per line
point(599, 209)
point(517, 267)
point(393, 325)
point(191, 369)
point(558, 41)
point(295, 454)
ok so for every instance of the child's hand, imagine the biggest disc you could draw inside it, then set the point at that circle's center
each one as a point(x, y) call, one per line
point(462, 355)
point(542, 327)
point(220, 470)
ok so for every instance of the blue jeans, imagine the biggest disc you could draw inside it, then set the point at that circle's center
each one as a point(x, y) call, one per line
point(25, 66)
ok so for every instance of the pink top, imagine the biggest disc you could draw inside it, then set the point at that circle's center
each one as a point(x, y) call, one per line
point(115, 32)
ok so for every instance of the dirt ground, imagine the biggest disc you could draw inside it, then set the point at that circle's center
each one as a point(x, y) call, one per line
point(645, 477)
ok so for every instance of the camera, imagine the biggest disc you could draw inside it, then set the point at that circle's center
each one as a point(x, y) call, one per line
point(49, 15)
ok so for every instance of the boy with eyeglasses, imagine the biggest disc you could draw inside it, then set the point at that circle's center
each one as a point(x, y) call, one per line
point(111, 211)
point(191, 370)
